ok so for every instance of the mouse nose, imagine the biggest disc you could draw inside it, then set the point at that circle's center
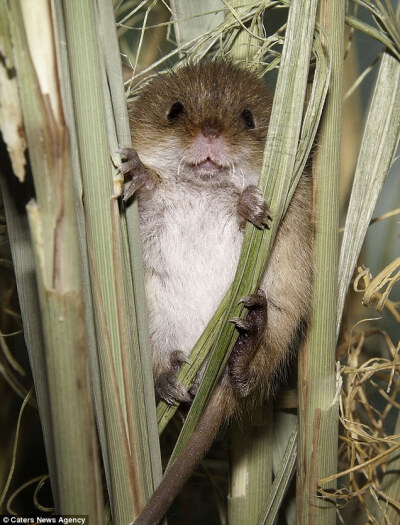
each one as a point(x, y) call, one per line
point(211, 130)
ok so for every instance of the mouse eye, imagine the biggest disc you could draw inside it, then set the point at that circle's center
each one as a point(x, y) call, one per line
point(175, 111)
point(248, 119)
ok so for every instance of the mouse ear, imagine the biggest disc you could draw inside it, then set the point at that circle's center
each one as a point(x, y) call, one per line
point(175, 111)
point(248, 119)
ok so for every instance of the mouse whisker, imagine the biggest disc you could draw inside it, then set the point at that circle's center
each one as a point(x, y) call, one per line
point(181, 162)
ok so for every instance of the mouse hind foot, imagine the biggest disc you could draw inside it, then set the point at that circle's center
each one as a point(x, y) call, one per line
point(251, 336)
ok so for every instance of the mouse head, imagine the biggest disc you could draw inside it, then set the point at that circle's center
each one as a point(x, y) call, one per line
point(206, 123)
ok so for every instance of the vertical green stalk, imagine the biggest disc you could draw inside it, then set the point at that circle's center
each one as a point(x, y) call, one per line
point(54, 237)
point(139, 380)
point(318, 405)
point(62, 53)
point(284, 474)
point(251, 467)
point(137, 429)
point(252, 450)
point(129, 478)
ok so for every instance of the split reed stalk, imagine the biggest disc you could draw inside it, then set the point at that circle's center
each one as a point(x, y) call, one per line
point(76, 470)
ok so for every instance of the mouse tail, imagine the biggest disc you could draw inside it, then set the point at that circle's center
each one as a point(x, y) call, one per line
point(185, 463)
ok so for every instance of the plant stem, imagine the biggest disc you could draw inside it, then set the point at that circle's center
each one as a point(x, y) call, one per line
point(318, 406)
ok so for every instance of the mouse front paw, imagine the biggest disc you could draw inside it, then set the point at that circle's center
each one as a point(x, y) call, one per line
point(253, 208)
point(133, 166)
point(168, 386)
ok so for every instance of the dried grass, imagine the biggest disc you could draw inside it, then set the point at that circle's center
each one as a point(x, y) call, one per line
point(369, 401)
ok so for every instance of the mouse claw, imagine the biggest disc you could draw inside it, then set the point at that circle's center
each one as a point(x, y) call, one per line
point(168, 386)
point(252, 207)
point(194, 388)
point(132, 161)
point(128, 153)
point(241, 324)
point(136, 184)
point(178, 358)
point(171, 390)
point(254, 300)
point(141, 175)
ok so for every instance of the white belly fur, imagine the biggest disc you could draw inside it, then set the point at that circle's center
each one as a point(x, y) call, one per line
point(191, 247)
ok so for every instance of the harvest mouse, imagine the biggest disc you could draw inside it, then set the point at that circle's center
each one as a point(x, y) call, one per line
point(198, 135)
